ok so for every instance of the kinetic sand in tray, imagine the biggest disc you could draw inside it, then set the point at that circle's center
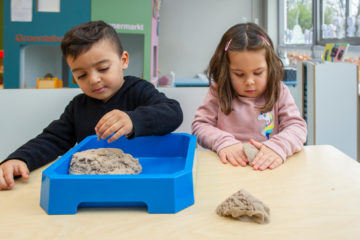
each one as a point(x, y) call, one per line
point(165, 184)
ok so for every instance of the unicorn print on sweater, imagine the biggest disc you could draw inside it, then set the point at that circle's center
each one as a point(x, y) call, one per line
point(269, 124)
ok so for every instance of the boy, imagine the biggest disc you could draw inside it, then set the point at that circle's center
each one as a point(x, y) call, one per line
point(110, 104)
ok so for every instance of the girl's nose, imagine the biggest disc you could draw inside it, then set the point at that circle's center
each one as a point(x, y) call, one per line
point(249, 80)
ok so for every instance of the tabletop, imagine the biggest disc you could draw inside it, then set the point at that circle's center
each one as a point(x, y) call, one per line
point(314, 195)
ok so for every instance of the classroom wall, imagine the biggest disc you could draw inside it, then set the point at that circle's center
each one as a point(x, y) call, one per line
point(190, 31)
point(36, 108)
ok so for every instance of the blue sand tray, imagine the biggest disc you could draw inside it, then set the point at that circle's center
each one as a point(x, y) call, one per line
point(165, 184)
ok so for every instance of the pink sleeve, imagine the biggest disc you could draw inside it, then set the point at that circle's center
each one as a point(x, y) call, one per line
point(204, 126)
point(292, 127)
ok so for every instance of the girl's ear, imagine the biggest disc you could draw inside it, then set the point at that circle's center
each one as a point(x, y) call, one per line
point(124, 60)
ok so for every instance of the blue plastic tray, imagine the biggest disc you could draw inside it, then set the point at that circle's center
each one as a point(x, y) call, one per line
point(165, 184)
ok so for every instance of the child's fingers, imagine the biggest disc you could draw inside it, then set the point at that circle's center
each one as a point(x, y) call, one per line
point(116, 135)
point(222, 157)
point(266, 164)
point(9, 176)
point(3, 184)
point(102, 130)
point(243, 157)
point(110, 130)
point(255, 143)
point(23, 171)
point(276, 163)
point(232, 160)
point(258, 160)
point(101, 122)
point(242, 163)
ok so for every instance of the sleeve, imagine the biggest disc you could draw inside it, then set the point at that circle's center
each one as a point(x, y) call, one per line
point(54, 141)
point(155, 114)
point(205, 127)
point(292, 127)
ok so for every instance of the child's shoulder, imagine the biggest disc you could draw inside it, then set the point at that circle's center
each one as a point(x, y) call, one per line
point(285, 94)
point(131, 81)
point(284, 90)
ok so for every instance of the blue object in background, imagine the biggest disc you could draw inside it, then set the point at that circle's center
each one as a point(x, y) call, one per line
point(290, 76)
point(165, 184)
point(191, 82)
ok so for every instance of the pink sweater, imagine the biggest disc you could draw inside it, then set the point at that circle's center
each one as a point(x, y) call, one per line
point(283, 125)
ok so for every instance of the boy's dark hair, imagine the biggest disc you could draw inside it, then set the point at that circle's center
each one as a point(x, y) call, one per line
point(80, 38)
point(250, 37)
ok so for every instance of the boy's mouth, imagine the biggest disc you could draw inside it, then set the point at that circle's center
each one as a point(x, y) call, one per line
point(99, 90)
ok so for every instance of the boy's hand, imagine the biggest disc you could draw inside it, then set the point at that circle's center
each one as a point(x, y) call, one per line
point(234, 154)
point(116, 122)
point(265, 158)
point(12, 168)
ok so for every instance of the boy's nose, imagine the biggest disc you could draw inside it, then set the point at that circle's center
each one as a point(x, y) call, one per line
point(94, 78)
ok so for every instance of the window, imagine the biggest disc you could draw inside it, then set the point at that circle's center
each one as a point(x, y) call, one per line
point(297, 21)
point(340, 21)
point(304, 22)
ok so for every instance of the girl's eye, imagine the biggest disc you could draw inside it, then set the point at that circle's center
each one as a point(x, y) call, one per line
point(258, 73)
point(239, 74)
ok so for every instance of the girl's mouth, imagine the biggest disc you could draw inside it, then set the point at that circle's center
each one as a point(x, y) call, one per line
point(250, 91)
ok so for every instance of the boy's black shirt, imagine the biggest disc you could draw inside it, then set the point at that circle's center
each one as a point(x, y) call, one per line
point(150, 111)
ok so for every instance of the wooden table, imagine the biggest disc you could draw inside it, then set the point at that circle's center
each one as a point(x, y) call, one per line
point(314, 195)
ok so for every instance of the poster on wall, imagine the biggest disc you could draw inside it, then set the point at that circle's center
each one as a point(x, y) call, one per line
point(21, 10)
point(335, 52)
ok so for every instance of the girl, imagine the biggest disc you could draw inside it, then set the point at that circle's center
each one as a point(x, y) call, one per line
point(247, 102)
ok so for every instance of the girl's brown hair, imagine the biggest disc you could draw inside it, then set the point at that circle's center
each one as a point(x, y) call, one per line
point(240, 37)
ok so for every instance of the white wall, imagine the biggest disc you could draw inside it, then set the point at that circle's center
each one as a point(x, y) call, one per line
point(26, 112)
point(191, 29)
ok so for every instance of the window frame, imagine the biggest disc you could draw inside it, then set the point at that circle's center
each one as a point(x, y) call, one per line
point(317, 23)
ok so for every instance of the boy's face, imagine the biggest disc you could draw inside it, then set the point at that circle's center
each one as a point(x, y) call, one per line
point(99, 71)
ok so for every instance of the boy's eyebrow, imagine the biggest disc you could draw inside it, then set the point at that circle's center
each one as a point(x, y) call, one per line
point(97, 63)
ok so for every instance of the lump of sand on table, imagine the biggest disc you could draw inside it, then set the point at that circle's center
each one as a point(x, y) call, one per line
point(104, 161)
point(244, 207)
point(250, 151)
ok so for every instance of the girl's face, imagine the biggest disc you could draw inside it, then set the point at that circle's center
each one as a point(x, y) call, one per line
point(99, 71)
point(248, 72)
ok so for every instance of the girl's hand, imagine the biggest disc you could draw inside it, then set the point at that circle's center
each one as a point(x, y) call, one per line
point(233, 154)
point(116, 122)
point(265, 158)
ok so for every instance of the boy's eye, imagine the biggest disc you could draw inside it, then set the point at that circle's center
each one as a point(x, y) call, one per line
point(103, 69)
point(81, 76)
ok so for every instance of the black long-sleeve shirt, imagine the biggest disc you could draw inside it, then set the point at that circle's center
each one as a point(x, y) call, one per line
point(150, 111)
